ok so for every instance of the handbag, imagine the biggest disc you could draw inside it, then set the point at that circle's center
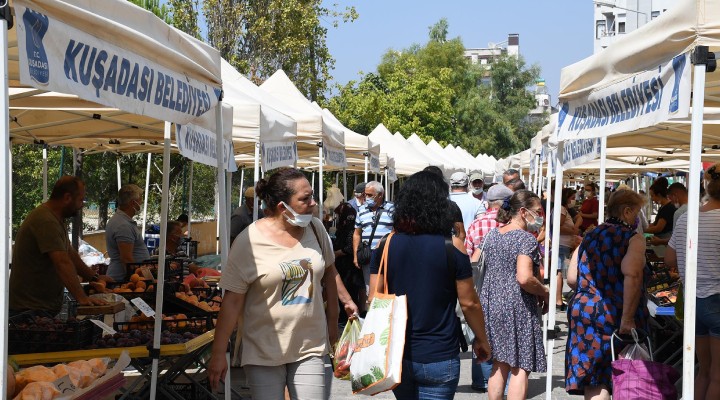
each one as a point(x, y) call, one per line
point(376, 365)
point(364, 250)
point(641, 378)
point(479, 267)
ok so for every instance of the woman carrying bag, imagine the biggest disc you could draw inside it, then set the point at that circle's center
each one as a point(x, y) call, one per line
point(279, 269)
point(418, 267)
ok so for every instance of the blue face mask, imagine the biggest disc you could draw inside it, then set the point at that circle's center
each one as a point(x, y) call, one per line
point(370, 203)
point(635, 224)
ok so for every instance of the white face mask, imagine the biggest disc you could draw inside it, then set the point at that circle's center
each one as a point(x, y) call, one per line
point(301, 220)
point(588, 194)
point(477, 192)
point(137, 207)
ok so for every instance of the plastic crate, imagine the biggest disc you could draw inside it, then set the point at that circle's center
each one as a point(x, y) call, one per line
point(173, 268)
point(196, 324)
point(39, 332)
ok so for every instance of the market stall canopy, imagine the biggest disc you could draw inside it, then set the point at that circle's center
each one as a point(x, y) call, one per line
point(653, 50)
point(417, 154)
point(45, 116)
point(439, 158)
point(256, 122)
point(356, 145)
point(406, 162)
point(132, 60)
point(280, 86)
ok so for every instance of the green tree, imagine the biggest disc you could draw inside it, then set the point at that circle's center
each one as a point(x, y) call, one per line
point(260, 37)
point(154, 6)
point(434, 91)
point(184, 16)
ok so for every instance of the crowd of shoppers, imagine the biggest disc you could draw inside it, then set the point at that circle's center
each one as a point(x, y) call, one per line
point(443, 233)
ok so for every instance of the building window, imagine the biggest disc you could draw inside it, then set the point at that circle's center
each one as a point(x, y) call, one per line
point(599, 29)
point(621, 27)
point(654, 14)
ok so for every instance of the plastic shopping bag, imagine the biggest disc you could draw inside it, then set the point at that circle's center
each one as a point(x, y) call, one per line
point(377, 362)
point(635, 351)
point(345, 349)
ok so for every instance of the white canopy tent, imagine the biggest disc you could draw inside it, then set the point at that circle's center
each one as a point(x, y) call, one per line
point(332, 139)
point(656, 48)
point(407, 161)
point(439, 158)
point(186, 73)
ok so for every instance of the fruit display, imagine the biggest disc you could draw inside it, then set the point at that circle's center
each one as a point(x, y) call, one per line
point(37, 332)
point(37, 382)
point(141, 337)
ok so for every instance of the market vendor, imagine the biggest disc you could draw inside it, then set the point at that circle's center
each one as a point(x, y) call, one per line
point(173, 241)
point(123, 238)
point(43, 261)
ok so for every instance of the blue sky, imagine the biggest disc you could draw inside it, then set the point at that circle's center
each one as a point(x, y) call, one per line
point(553, 33)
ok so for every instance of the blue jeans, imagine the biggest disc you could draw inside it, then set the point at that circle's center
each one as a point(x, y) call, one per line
point(481, 373)
point(435, 381)
point(707, 319)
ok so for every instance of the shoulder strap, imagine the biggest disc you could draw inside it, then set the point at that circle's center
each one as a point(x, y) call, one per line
point(375, 224)
point(317, 237)
point(450, 257)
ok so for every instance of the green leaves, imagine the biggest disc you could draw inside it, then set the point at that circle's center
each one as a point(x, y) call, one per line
point(434, 91)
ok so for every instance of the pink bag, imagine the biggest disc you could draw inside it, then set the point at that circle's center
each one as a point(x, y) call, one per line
point(643, 379)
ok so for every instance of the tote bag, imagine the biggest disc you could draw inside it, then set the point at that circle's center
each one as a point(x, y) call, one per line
point(376, 365)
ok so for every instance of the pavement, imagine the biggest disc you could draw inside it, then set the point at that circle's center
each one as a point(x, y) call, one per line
point(340, 390)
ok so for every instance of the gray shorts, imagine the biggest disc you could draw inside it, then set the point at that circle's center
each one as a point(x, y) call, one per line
point(306, 379)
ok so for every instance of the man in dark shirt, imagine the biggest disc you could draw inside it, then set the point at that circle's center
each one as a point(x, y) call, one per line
point(43, 261)
point(242, 217)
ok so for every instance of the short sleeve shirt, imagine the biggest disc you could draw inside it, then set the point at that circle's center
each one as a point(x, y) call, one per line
point(122, 229)
point(708, 247)
point(34, 281)
point(365, 219)
point(666, 212)
point(418, 267)
point(284, 319)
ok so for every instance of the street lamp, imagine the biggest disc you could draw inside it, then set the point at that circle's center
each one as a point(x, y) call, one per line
point(602, 3)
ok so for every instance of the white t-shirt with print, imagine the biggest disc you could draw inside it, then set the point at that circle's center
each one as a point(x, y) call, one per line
point(284, 319)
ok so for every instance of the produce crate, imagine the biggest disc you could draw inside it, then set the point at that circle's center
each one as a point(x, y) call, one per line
point(148, 297)
point(173, 268)
point(196, 325)
point(39, 332)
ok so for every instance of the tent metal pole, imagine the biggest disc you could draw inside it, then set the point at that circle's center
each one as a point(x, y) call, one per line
point(190, 193)
point(601, 195)
point(366, 168)
point(242, 183)
point(45, 174)
point(345, 184)
point(5, 245)
point(554, 266)
point(164, 193)
point(147, 187)
point(320, 180)
point(693, 214)
point(256, 178)
point(119, 174)
point(546, 260)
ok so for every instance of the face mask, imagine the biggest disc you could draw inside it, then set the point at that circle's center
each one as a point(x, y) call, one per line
point(635, 224)
point(370, 203)
point(535, 225)
point(137, 207)
point(588, 194)
point(477, 192)
point(572, 203)
point(677, 205)
point(263, 205)
point(301, 220)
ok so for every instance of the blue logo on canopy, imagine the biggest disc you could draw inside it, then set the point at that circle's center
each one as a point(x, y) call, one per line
point(36, 26)
point(678, 64)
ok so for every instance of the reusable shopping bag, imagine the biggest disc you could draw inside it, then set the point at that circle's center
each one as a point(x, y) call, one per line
point(345, 348)
point(377, 362)
point(640, 379)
